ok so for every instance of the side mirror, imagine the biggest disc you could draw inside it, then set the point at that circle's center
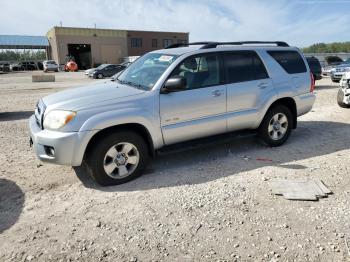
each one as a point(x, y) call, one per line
point(173, 84)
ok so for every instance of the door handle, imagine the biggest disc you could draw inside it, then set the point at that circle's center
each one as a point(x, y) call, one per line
point(216, 93)
point(263, 85)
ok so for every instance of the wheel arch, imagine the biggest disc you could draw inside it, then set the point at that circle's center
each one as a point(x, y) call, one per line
point(134, 127)
point(290, 103)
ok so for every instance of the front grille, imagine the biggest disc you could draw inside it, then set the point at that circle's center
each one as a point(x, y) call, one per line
point(39, 113)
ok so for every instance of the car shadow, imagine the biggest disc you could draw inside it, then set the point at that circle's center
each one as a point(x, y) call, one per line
point(12, 116)
point(11, 203)
point(236, 155)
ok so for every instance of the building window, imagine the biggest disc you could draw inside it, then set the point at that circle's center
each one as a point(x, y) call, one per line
point(167, 42)
point(179, 41)
point(136, 42)
point(154, 43)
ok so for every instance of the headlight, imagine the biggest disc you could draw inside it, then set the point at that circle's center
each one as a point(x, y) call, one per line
point(58, 118)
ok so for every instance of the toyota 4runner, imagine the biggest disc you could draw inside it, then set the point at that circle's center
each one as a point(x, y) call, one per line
point(183, 92)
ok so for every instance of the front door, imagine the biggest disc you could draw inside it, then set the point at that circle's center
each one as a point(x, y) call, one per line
point(199, 110)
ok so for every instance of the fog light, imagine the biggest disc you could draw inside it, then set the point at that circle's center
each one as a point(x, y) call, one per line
point(49, 150)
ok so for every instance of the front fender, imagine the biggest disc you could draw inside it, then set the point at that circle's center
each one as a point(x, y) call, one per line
point(117, 117)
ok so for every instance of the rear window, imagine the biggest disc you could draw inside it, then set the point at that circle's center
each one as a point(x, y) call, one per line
point(291, 61)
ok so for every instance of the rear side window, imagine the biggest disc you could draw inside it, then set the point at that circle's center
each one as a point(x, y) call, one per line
point(291, 61)
point(244, 66)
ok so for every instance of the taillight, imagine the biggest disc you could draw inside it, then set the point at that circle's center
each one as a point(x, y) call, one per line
point(312, 86)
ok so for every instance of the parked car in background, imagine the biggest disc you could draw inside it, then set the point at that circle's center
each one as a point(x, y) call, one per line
point(28, 66)
point(170, 96)
point(338, 72)
point(343, 97)
point(4, 67)
point(88, 71)
point(330, 63)
point(107, 70)
point(16, 67)
point(50, 65)
point(326, 70)
point(40, 65)
point(315, 67)
point(91, 70)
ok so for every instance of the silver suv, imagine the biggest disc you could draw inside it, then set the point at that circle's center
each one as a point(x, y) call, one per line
point(183, 92)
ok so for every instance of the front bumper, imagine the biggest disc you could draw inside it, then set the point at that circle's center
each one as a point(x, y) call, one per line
point(68, 147)
point(337, 76)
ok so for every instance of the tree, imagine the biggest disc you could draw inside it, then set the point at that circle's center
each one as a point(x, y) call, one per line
point(336, 47)
point(25, 55)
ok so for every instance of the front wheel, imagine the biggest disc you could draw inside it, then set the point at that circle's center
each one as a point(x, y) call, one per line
point(276, 126)
point(118, 158)
point(99, 76)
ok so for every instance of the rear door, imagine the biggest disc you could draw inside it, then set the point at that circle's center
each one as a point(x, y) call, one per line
point(249, 87)
point(199, 110)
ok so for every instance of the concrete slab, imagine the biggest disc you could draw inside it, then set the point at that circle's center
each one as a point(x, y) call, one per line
point(300, 189)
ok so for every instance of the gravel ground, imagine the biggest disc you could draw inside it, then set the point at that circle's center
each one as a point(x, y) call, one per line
point(211, 203)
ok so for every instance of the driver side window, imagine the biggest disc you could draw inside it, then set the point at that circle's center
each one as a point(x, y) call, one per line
point(199, 71)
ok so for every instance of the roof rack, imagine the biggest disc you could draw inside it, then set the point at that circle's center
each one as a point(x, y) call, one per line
point(187, 44)
point(207, 45)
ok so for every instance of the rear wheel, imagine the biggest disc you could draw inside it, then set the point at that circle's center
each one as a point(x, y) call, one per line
point(276, 126)
point(118, 158)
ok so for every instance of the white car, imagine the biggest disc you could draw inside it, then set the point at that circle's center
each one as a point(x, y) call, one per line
point(338, 72)
point(344, 91)
point(87, 72)
point(50, 65)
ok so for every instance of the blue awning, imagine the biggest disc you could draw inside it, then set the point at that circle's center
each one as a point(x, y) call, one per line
point(23, 42)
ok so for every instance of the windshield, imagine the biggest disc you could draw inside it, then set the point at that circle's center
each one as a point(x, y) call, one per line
point(102, 66)
point(146, 70)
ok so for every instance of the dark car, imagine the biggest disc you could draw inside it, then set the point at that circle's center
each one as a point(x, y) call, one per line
point(5, 67)
point(315, 67)
point(24, 66)
point(107, 71)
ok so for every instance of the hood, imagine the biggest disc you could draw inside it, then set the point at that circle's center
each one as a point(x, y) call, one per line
point(86, 96)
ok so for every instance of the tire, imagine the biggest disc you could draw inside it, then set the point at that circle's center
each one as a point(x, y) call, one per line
point(99, 76)
point(105, 153)
point(335, 80)
point(340, 97)
point(276, 134)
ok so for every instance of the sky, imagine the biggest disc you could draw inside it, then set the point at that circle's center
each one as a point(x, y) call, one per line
point(298, 22)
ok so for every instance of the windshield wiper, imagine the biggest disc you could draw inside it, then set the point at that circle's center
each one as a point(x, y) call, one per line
point(129, 83)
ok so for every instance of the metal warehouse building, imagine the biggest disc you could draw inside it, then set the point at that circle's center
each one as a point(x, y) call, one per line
point(91, 46)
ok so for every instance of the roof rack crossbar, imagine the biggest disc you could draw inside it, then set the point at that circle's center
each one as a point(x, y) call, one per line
point(207, 45)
